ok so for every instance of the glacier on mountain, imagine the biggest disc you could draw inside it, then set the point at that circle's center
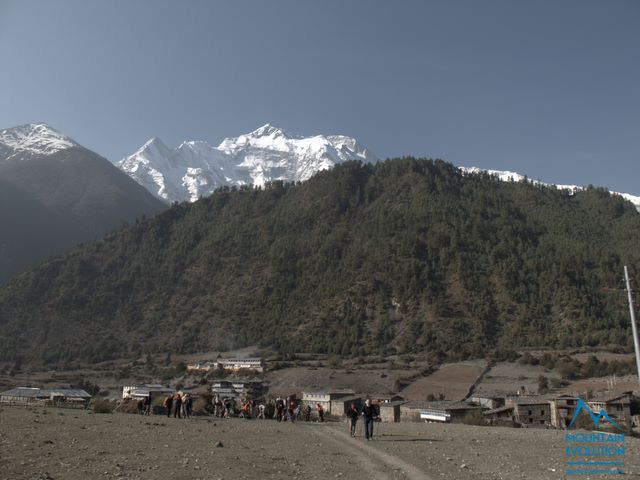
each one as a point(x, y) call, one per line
point(196, 169)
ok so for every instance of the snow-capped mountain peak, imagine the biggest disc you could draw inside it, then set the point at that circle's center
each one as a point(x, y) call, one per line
point(32, 139)
point(268, 130)
point(195, 168)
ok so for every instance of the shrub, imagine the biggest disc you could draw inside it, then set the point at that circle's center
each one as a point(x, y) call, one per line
point(543, 384)
point(474, 417)
point(102, 406)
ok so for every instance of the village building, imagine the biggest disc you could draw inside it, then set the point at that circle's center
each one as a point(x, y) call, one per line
point(236, 387)
point(486, 401)
point(325, 399)
point(390, 411)
point(618, 407)
point(381, 398)
point(145, 390)
point(500, 416)
point(200, 367)
point(56, 397)
point(562, 409)
point(442, 411)
point(532, 411)
point(237, 364)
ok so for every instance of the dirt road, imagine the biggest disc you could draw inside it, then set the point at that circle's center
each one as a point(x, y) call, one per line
point(377, 464)
point(55, 444)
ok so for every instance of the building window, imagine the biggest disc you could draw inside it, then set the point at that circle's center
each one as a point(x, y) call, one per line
point(530, 420)
point(541, 412)
point(530, 412)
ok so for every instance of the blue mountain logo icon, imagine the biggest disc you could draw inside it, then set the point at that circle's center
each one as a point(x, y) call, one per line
point(595, 417)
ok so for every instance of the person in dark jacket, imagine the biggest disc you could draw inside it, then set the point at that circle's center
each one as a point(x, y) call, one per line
point(168, 401)
point(177, 405)
point(370, 415)
point(353, 415)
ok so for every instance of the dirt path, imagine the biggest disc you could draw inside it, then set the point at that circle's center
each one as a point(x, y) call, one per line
point(373, 461)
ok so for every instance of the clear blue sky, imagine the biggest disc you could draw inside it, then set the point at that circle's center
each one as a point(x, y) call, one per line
point(547, 88)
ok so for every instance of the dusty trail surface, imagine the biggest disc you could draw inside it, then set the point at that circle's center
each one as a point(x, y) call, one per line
point(55, 444)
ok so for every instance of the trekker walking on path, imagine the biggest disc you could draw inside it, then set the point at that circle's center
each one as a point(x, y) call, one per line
point(370, 415)
point(186, 400)
point(353, 415)
point(167, 404)
point(227, 408)
point(141, 407)
point(290, 409)
point(190, 405)
point(177, 405)
point(307, 413)
point(147, 405)
point(261, 408)
point(246, 410)
point(320, 412)
point(279, 409)
point(218, 407)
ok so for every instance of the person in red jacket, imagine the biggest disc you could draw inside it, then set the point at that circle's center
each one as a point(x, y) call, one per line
point(246, 410)
point(320, 409)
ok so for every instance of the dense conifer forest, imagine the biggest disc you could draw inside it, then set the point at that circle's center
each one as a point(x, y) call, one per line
point(404, 256)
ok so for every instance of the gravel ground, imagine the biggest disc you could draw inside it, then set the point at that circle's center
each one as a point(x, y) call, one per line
point(38, 443)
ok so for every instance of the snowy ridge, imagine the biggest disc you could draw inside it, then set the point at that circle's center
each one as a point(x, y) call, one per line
point(32, 139)
point(507, 176)
point(196, 168)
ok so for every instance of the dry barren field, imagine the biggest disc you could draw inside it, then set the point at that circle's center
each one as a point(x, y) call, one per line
point(453, 380)
point(71, 444)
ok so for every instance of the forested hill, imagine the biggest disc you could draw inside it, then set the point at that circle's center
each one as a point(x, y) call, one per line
point(402, 256)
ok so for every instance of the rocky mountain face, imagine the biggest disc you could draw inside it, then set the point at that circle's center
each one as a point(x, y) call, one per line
point(195, 168)
point(54, 194)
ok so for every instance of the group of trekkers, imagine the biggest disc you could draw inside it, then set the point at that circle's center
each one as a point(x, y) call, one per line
point(180, 404)
point(284, 409)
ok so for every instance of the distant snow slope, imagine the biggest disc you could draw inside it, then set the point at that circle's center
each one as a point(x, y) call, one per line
point(196, 169)
point(507, 176)
point(26, 141)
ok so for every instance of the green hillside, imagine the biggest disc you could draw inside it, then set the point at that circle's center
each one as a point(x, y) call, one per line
point(403, 256)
